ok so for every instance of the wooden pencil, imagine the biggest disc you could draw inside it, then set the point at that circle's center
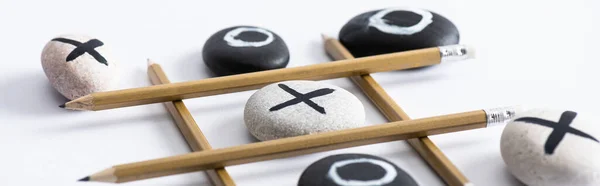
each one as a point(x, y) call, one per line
point(249, 81)
point(187, 126)
point(393, 112)
point(300, 145)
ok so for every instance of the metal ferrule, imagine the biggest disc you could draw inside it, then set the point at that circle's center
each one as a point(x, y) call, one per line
point(500, 116)
point(454, 53)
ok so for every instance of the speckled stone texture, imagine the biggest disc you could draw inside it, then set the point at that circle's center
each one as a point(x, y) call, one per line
point(83, 73)
point(559, 155)
point(267, 117)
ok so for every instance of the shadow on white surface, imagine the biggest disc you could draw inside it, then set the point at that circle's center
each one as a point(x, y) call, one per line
point(514, 181)
point(89, 124)
point(231, 132)
point(406, 77)
point(492, 161)
point(30, 95)
point(294, 166)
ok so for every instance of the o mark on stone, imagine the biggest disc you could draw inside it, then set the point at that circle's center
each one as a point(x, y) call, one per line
point(82, 48)
point(560, 129)
point(299, 97)
point(390, 173)
point(231, 39)
point(378, 22)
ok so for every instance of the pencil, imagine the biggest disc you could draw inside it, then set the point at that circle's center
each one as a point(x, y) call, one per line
point(187, 126)
point(393, 112)
point(250, 81)
point(300, 145)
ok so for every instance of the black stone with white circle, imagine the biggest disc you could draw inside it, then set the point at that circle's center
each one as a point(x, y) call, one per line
point(244, 49)
point(396, 30)
point(356, 170)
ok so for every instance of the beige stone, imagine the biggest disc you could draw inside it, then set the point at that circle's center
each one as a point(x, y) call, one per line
point(527, 149)
point(82, 75)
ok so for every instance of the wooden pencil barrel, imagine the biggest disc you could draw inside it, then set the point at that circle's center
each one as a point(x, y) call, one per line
point(392, 111)
point(188, 127)
point(300, 145)
point(250, 81)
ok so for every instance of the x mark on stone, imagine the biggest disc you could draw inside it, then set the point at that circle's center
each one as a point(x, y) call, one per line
point(82, 48)
point(299, 97)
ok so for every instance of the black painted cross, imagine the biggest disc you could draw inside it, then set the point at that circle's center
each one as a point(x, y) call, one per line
point(559, 131)
point(82, 48)
point(299, 97)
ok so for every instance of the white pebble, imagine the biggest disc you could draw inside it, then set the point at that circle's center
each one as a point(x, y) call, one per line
point(328, 108)
point(537, 151)
point(77, 65)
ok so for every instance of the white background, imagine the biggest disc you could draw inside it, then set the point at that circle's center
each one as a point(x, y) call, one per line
point(536, 53)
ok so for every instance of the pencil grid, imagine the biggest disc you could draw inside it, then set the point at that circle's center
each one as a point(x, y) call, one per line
point(458, 174)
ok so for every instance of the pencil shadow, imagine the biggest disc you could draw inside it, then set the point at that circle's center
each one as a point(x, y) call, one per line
point(232, 126)
point(196, 183)
point(107, 122)
point(193, 181)
point(297, 169)
point(406, 80)
point(513, 180)
point(149, 117)
point(494, 164)
point(31, 94)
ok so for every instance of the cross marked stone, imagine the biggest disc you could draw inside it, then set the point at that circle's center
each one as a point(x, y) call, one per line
point(293, 108)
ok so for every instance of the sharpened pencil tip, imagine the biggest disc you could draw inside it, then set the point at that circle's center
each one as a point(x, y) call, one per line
point(87, 178)
point(150, 63)
point(62, 106)
point(325, 37)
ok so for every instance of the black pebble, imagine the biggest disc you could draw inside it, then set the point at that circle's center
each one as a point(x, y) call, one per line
point(224, 59)
point(364, 40)
point(317, 174)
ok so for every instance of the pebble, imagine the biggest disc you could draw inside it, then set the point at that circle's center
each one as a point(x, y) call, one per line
point(299, 107)
point(77, 65)
point(552, 148)
point(355, 170)
point(396, 30)
point(243, 49)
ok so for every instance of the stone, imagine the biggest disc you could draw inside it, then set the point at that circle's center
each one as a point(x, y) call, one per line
point(552, 148)
point(396, 30)
point(354, 169)
point(77, 65)
point(244, 49)
point(299, 107)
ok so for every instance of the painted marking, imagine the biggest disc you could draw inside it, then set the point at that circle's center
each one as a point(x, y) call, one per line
point(390, 173)
point(299, 97)
point(82, 48)
point(231, 39)
point(381, 24)
point(559, 131)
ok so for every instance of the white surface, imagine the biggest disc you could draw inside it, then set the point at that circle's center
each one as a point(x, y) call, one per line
point(540, 53)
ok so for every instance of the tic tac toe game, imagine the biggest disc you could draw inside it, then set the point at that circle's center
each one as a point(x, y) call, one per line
point(300, 93)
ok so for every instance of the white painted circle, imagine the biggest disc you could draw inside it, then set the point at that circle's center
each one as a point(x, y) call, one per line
point(378, 22)
point(232, 41)
point(390, 173)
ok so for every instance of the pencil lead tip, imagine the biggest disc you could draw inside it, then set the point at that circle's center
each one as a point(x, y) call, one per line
point(87, 178)
point(150, 63)
point(325, 37)
point(62, 106)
